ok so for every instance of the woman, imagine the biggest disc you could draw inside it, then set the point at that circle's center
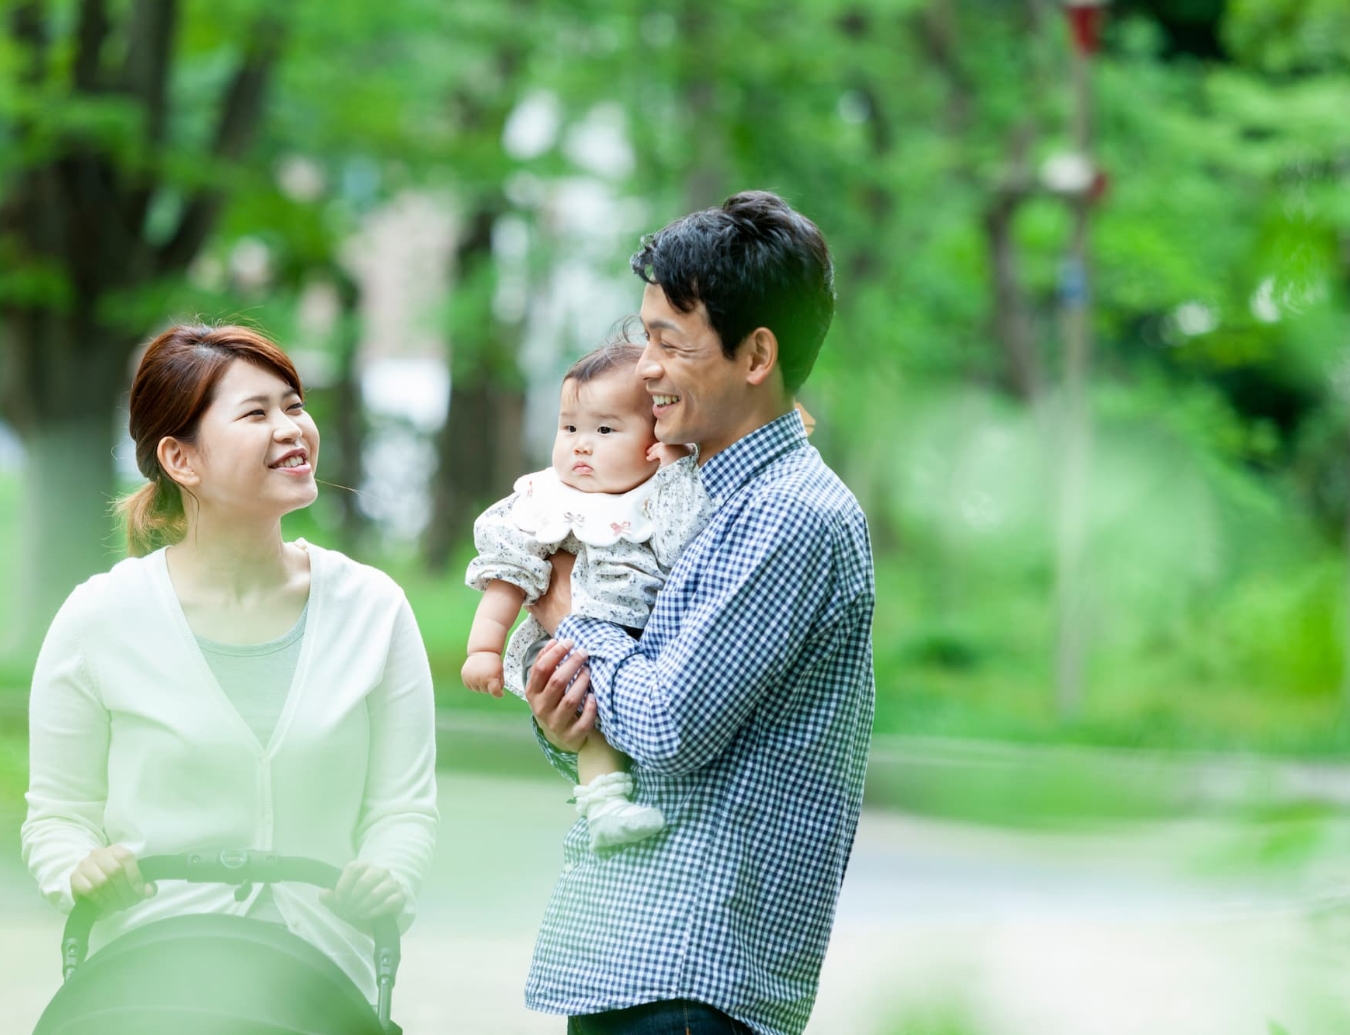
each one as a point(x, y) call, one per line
point(222, 688)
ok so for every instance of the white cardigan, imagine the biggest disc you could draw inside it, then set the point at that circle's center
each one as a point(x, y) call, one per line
point(133, 742)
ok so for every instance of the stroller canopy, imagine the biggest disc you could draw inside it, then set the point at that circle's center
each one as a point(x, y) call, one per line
point(209, 975)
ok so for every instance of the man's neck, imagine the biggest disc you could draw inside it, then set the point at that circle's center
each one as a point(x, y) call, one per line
point(753, 421)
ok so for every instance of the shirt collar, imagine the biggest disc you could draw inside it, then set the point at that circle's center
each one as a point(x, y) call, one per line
point(727, 471)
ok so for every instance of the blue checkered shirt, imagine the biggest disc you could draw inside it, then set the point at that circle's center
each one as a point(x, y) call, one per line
point(746, 707)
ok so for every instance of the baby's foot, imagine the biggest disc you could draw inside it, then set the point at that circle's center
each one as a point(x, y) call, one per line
point(612, 819)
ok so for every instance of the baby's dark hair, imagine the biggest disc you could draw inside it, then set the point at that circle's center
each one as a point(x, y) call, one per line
point(619, 351)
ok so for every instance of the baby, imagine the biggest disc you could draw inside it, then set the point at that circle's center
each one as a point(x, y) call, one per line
point(626, 505)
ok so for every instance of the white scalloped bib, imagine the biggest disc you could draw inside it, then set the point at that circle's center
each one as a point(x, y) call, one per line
point(551, 511)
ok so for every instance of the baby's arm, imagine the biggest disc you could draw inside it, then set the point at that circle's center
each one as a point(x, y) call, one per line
point(492, 622)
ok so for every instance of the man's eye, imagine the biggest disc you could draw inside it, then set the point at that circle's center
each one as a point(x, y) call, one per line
point(604, 429)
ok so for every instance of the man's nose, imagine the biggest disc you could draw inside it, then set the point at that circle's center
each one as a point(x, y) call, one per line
point(648, 366)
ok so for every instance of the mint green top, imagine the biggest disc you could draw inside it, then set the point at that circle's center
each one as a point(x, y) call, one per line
point(256, 677)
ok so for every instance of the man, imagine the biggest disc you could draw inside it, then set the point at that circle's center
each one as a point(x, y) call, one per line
point(746, 706)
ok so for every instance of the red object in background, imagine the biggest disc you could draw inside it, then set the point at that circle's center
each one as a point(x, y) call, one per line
point(1085, 19)
point(1101, 183)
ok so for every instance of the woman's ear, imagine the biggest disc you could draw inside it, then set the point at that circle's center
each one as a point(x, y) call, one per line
point(761, 355)
point(176, 459)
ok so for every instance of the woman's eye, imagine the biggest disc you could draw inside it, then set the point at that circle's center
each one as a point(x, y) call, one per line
point(296, 406)
point(255, 413)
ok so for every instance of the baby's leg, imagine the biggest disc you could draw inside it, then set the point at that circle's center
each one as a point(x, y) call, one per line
point(603, 797)
point(597, 758)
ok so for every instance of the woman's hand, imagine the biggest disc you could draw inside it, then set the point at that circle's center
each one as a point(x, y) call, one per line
point(110, 878)
point(483, 673)
point(365, 892)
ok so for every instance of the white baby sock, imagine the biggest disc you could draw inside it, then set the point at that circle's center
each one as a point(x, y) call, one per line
point(612, 819)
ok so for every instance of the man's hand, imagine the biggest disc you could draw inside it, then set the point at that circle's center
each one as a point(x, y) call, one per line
point(483, 673)
point(554, 703)
point(110, 878)
point(556, 603)
point(364, 892)
point(666, 454)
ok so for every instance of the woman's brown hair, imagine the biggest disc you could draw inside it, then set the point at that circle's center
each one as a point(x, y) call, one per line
point(174, 384)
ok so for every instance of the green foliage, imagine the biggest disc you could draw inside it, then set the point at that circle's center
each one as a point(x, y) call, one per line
point(1221, 291)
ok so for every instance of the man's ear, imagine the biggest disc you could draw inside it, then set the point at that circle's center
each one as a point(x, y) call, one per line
point(760, 355)
point(176, 460)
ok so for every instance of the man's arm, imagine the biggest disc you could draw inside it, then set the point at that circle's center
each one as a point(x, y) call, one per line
point(740, 627)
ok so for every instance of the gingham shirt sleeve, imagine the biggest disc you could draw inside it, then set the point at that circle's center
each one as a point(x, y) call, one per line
point(565, 762)
point(739, 630)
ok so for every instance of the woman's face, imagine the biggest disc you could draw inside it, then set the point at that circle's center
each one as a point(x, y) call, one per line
point(257, 449)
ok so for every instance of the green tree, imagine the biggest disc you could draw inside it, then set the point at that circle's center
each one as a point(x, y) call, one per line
point(128, 132)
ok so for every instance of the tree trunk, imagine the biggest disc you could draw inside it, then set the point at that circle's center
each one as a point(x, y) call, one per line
point(66, 427)
point(1012, 312)
point(705, 179)
point(349, 428)
point(65, 527)
point(479, 451)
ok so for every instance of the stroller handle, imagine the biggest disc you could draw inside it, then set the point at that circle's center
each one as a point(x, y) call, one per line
point(242, 867)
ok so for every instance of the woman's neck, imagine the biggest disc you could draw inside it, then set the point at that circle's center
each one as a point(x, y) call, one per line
point(231, 562)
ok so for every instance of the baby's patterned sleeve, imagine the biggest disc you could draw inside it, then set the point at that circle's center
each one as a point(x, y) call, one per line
point(680, 509)
point(508, 553)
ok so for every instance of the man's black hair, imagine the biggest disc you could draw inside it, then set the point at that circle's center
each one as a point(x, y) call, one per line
point(752, 262)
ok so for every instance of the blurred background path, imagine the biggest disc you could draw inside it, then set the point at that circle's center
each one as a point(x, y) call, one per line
point(1183, 928)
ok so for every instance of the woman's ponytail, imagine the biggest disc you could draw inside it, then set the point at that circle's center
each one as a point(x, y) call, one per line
point(153, 517)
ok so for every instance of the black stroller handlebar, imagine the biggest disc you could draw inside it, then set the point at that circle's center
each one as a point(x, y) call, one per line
point(242, 867)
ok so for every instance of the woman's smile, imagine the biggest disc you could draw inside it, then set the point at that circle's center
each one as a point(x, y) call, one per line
point(295, 462)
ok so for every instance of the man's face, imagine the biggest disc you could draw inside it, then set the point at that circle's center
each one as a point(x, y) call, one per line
point(698, 394)
point(604, 432)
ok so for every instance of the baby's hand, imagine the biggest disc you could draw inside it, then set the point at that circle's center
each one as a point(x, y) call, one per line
point(483, 673)
point(666, 454)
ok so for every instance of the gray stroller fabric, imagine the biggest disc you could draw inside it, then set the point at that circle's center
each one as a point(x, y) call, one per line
point(209, 975)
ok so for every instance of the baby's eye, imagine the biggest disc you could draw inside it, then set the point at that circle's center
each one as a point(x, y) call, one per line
point(569, 428)
point(604, 429)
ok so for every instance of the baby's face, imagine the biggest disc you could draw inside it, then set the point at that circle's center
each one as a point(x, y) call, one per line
point(605, 428)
